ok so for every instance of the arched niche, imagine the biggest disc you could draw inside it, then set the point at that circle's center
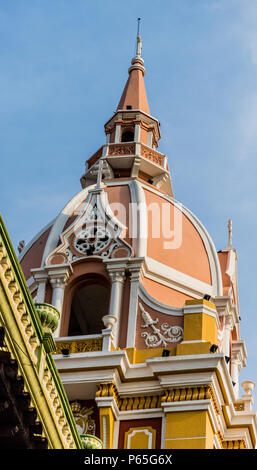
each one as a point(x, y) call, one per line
point(89, 304)
point(127, 135)
point(86, 299)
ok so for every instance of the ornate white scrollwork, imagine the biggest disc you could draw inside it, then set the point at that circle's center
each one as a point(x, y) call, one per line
point(169, 334)
point(95, 232)
point(92, 240)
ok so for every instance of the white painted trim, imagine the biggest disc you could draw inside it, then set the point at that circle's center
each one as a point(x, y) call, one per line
point(77, 338)
point(216, 442)
point(194, 405)
point(141, 414)
point(156, 305)
point(139, 229)
point(30, 281)
point(163, 432)
point(183, 438)
point(195, 341)
point(174, 279)
point(60, 222)
point(104, 432)
point(116, 434)
point(108, 402)
point(148, 433)
point(191, 379)
point(206, 238)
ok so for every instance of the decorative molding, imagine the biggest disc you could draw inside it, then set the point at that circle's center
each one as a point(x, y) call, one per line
point(169, 334)
point(234, 444)
point(148, 431)
point(217, 289)
point(156, 305)
point(95, 232)
point(175, 279)
point(83, 418)
point(152, 155)
point(121, 149)
point(240, 406)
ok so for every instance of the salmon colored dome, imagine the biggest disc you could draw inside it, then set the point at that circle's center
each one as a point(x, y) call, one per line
point(178, 252)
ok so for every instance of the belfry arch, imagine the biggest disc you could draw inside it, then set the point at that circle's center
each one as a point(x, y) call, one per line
point(87, 301)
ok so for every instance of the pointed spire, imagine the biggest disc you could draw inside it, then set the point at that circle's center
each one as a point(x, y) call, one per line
point(134, 94)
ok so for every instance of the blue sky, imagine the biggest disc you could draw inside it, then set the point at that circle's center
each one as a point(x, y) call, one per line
point(63, 68)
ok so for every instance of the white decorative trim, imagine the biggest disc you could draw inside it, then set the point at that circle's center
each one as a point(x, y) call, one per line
point(141, 414)
point(207, 241)
point(216, 442)
point(139, 229)
point(104, 432)
point(136, 431)
point(184, 438)
point(61, 220)
point(96, 215)
point(77, 338)
point(158, 306)
point(116, 431)
point(174, 279)
point(135, 269)
point(163, 432)
point(193, 405)
point(108, 402)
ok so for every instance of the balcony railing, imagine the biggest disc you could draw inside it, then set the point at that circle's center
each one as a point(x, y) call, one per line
point(79, 344)
point(126, 149)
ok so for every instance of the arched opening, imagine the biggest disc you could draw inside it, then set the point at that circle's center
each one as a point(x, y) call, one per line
point(89, 304)
point(127, 136)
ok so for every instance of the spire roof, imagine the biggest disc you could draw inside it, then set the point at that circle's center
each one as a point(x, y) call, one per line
point(134, 94)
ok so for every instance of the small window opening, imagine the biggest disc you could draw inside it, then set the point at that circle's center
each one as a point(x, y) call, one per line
point(89, 305)
point(127, 136)
point(129, 106)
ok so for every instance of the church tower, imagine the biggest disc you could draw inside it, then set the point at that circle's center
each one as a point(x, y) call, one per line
point(148, 345)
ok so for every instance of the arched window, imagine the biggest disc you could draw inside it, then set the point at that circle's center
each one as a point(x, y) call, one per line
point(89, 304)
point(127, 136)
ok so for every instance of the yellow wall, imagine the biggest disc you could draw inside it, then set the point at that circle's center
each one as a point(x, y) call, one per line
point(188, 430)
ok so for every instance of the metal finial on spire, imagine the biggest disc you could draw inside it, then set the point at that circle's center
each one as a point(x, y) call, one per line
point(229, 245)
point(137, 61)
point(138, 25)
point(139, 42)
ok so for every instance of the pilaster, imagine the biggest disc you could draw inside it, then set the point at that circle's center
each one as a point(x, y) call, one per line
point(58, 276)
point(135, 275)
point(117, 272)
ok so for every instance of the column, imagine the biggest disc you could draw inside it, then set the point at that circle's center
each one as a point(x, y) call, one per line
point(135, 275)
point(234, 373)
point(116, 272)
point(40, 276)
point(150, 138)
point(117, 134)
point(106, 400)
point(227, 335)
point(59, 276)
point(137, 133)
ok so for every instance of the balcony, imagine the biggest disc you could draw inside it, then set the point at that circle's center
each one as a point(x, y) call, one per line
point(79, 344)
